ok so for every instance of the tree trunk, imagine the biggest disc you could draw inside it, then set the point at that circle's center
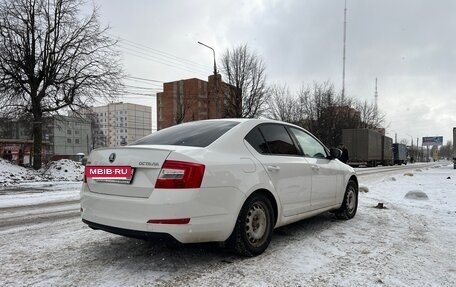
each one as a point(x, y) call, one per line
point(37, 140)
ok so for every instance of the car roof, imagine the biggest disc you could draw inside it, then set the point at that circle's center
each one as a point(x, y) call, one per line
point(253, 120)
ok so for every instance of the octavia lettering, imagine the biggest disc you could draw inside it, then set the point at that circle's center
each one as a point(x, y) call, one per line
point(148, 163)
point(100, 172)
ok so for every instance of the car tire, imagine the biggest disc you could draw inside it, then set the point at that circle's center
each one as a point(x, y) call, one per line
point(254, 227)
point(350, 204)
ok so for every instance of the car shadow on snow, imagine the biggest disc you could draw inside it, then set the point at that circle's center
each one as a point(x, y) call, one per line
point(166, 255)
point(160, 255)
point(306, 227)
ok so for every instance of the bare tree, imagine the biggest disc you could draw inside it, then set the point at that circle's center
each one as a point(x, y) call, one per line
point(98, 138)
point(283, 106)
point(318, 104)
point(183, 105)
point(325, 113)
point(246, 72)
point(446, 151)
point(371, 118)
point(403, 141)
point(181, 110)
point(52, 59)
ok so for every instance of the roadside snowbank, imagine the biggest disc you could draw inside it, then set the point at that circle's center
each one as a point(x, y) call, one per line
point(62, 170)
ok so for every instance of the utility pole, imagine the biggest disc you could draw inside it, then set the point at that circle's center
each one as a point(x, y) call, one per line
point(418, 150)
point(411, 149)
point(343, 57)
point(376, 97)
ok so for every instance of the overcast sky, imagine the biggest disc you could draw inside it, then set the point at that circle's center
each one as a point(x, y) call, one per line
point(410, 46)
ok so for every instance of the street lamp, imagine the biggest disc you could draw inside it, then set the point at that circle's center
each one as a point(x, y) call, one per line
point(213, 52)
point(215, 78)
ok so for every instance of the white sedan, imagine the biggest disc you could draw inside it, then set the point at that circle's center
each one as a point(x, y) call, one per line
point(227, 180)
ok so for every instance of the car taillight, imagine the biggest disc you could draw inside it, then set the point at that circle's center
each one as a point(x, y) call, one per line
point(180, 174)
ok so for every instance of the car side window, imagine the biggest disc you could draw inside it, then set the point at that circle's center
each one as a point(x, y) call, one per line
point(256, 140)
point(278, 140)
point(310, 146)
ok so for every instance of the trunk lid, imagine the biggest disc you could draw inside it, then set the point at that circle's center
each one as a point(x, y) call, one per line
point(146, 163)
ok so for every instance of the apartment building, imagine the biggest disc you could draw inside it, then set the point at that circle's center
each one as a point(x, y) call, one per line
point(68, 135)
point(119, 124)
point(63, 136)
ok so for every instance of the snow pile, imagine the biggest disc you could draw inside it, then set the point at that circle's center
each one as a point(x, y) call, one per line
point(11, 174)
point(363, 188)
point(62, 170)
point(416, 194)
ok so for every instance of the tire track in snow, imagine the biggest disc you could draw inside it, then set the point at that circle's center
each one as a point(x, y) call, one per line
point(28, 215)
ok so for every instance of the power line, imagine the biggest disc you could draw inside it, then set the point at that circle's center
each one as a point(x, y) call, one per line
point(167, 64)
point(161, 53)
point(143, 79)
point(145, 52)
point(142, 88)
point(134, 84)
point(127, 93)
point(160, 59)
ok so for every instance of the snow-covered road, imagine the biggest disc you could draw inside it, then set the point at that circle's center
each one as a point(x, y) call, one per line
point(409, 243)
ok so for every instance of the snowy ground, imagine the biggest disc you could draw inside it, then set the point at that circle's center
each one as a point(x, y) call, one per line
point(410, 242)
point(55, 182)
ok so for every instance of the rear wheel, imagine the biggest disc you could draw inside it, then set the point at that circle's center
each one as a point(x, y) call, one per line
point(350, 203)
point(254, 226)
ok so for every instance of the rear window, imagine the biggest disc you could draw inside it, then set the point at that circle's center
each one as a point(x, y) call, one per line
point(197, 134)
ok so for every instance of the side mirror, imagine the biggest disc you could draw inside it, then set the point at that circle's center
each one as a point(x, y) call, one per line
point(335, 153)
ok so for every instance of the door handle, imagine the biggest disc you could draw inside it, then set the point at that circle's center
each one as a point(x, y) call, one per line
point(315, 168)
point(273, 168)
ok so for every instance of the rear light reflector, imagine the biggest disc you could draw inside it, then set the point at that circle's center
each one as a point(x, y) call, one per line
point(180, 174)
point(170, 221)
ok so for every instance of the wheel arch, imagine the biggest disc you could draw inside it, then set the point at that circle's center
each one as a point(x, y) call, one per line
point(272, 199)
point(354, 179)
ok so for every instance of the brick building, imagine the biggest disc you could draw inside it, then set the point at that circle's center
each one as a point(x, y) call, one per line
point(191, 100)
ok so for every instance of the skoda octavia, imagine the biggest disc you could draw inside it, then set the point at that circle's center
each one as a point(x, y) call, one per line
point(227, 180)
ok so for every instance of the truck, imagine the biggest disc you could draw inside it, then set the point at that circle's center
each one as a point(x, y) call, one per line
point(387, 153)
point(367, 147)
point(454, 148)
point(400, 153)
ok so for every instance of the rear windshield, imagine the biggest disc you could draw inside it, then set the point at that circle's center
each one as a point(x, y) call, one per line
point(197, 134)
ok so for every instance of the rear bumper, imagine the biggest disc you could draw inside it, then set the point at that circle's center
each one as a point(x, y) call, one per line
point(212, 212)
point(128, 232)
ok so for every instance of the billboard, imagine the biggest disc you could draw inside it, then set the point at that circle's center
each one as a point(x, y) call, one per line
point(432, 141)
